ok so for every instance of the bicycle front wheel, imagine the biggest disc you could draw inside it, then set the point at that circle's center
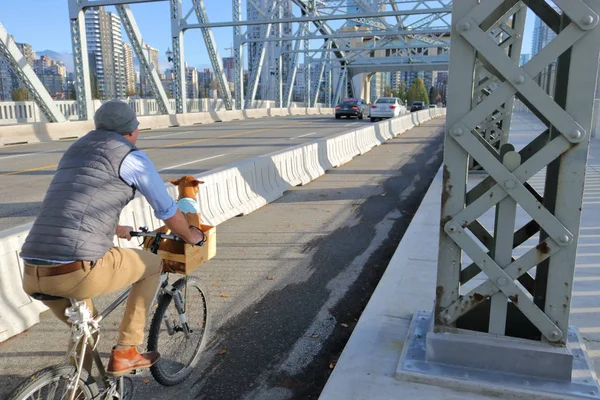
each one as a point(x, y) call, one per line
point(179, 349)
point(54, 383)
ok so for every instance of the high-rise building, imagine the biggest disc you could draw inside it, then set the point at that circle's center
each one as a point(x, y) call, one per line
point(144, 80)
point(524, 58)
point(229, 68)
point(105, 52)
point(191, 82)
point(205, 78)
point(28, 52)
point(129, 69)
point(542, 35)
point(6, 81)
point(268, 79)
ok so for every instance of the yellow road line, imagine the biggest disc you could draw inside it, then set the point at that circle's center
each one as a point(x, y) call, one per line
point(29, 170)
point(169, 146)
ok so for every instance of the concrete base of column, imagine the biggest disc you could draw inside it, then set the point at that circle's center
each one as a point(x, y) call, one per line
point(492, 365)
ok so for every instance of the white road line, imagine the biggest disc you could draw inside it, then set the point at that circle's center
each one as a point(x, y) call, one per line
point(31, 154)
point(308, 134)
point(353, 123)
point(191, 162)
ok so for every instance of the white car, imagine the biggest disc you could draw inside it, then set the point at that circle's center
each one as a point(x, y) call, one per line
point(387, 107)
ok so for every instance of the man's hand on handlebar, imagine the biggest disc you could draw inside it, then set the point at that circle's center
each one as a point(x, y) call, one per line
point(180, 226)
point(123, 231)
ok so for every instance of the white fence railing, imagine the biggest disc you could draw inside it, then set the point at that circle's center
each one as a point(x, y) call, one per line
point(26, 112)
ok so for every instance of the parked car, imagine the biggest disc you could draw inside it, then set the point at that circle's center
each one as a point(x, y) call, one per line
point(387, 107)
point(432, 106)
point(417, 106)
point(352, 108)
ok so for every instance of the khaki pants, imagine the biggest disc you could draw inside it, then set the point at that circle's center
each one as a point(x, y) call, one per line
point(117, 269)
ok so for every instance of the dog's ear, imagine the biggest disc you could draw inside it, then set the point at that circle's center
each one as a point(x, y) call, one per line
point(175, 181)
point(196, 182)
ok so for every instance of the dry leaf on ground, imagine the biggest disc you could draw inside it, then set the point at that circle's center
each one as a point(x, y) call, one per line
point(224, 295)
point(270, 277)
point(222, 351)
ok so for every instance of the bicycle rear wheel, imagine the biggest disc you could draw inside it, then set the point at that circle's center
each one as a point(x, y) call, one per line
point(53, 383)
point(179, 352)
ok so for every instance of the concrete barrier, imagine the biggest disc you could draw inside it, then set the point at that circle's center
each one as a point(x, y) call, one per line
point(227, 115)
point(235, 189)
point(255, 113)
point(277, 112)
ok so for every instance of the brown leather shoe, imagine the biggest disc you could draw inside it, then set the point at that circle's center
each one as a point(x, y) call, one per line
point(123, 361)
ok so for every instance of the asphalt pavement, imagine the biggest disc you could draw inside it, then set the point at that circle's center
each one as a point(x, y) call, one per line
point(289, 280)
point(26, 170)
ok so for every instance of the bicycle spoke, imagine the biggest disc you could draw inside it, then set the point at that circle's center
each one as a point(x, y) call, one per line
point(52, 390)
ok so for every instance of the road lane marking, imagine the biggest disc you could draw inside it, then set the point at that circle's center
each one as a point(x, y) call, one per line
point(172, 145)
point(353, 123)
point(308, 134)
point(30, 154)
point(191, 162)
point(29, 170)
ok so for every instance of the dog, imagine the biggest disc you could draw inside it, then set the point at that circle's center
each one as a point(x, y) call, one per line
point(187, 203)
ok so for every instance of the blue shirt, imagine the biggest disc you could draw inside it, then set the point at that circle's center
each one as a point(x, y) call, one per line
point(138, 171)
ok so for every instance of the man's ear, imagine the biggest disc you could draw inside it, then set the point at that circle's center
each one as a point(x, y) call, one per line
point(195, 183)
point(175, 181)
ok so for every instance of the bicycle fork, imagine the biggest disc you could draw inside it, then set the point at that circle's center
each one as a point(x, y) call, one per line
point(180, 307)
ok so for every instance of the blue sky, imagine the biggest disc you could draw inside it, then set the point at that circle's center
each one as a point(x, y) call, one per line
point(47, 26)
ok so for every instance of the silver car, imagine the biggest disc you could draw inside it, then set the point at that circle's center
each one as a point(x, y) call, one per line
point(387, 107)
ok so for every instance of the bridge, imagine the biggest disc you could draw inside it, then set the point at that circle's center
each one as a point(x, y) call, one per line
point(477, 223)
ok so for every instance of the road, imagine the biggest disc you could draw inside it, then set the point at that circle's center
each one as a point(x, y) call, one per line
point(26, 170)
point(325, 245)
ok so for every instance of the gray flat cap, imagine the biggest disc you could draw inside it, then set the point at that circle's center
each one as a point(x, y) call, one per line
point(116, 116)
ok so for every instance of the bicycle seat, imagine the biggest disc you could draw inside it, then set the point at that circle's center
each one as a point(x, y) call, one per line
point(42, 296)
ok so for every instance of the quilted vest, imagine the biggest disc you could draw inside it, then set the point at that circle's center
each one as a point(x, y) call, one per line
point(79, 214)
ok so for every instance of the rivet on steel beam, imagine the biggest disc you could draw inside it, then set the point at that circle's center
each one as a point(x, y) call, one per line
point(518, 36)
point(501, 281)
point(451, 228)
point(587, 20)
point(509, 184)
point(520, 80)
point(456, 131)
point(464, 26)
point(445, 318)
point(564, 239)
point(576, 134)
point(555, 335)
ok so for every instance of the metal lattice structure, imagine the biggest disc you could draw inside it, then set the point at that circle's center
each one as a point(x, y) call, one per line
point(405, 35)
point(512, 325)
point(10, 52)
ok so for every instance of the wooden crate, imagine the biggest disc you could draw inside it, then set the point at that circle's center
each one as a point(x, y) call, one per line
point(183, 258)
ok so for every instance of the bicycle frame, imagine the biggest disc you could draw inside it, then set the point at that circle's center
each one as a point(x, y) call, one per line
point(82, 336)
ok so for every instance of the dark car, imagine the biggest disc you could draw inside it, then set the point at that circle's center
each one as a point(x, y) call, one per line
point(417, 106)
point(352, 108)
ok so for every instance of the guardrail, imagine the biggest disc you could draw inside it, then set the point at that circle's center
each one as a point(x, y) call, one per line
point(46, 132)
point(232, 190)
point(27, 112)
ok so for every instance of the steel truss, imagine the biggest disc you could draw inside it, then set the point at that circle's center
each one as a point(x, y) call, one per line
point(407, 32)
point(13, 57)
point(486, 37)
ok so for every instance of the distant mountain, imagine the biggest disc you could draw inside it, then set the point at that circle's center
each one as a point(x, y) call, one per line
point(65, 58)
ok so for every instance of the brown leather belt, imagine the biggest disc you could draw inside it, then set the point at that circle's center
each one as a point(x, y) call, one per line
point(54, 269)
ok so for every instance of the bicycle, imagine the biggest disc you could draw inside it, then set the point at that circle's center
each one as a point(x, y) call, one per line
point(187, 329)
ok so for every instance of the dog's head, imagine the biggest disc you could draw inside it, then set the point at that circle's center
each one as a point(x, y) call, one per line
point(188, 186)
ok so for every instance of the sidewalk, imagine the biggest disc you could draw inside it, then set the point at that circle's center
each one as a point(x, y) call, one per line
point(367, 367)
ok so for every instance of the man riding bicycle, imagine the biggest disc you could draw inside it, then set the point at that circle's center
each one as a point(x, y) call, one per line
point(69, 251)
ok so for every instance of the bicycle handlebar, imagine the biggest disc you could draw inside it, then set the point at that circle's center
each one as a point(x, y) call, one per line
point(155, 234)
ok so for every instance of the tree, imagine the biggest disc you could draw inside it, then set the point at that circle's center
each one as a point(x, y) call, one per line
point(20, 94)
point(130, 92)
point(94, 86)
point(434, 95)
point(73, 92)
point(417, 92)
point(387, 91)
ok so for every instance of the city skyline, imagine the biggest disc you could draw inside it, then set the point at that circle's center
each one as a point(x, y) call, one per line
point(152, 18)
